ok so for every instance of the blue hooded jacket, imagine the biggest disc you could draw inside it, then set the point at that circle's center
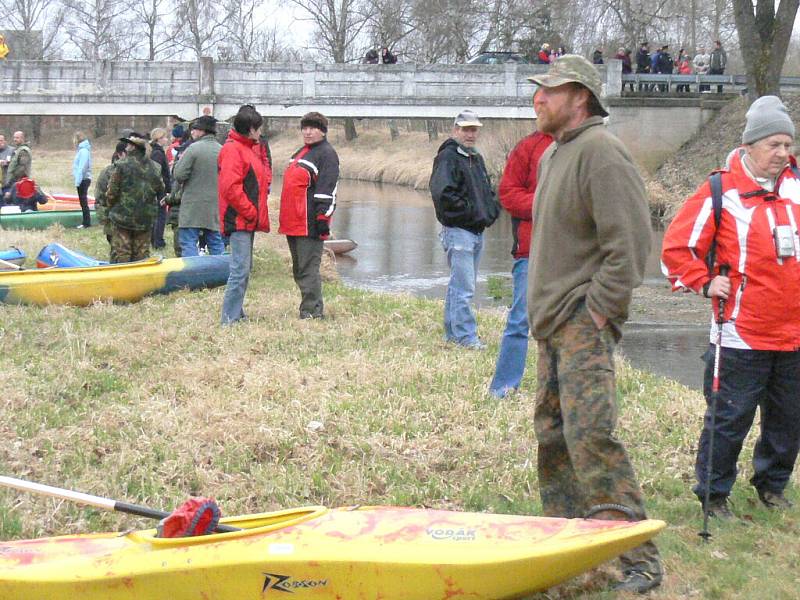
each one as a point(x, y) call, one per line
point(82, 165)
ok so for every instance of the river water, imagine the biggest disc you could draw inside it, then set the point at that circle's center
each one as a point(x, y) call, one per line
point(399, 251)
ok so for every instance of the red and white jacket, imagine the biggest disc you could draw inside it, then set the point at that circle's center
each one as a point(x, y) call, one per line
point(763, 309)
point(517, 187)
point(308, 197)
point(243, 185)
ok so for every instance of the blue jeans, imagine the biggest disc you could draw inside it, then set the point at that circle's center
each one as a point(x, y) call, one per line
point(514, 345)
point(463, 250)
point(241, 262)
point(189, 236)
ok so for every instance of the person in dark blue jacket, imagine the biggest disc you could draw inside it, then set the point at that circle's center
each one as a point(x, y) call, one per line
point(465, 205)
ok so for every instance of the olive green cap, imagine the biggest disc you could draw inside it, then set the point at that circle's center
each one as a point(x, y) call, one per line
point(572, 68)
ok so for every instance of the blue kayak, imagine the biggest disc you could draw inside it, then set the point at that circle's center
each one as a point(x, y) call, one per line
point(15, 256)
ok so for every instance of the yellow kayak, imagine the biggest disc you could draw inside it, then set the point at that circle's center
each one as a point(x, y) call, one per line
point(355, 553)
point(126, 282)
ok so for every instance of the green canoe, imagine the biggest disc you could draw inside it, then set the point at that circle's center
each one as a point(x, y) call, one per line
point(42, 219)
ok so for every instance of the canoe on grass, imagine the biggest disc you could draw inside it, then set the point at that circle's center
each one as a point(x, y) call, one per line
point(57, 255)
point(37, 219)
point(15, 256)
point(342, 246)
point(345, 553)
point(64, 202)
point(126, 282)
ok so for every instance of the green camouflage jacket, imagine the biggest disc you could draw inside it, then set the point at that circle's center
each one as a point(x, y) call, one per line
point(132, 193)
point(20, 165)
point(100, 190)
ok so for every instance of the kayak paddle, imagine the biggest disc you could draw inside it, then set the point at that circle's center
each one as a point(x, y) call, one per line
point(96, 501)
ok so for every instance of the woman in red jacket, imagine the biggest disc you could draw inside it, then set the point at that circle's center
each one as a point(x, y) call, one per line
point(308, 200)
point(756, 239)
point(243, 187)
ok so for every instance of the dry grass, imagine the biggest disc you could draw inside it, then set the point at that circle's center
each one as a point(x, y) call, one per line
point(153, 401)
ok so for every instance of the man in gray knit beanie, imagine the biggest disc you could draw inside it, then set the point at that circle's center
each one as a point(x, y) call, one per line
point(765, 117)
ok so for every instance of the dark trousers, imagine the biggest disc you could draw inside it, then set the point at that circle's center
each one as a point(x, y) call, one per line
point(157, 239)
point(581, 462)
point(83, 198)
point(717, 72)
point(306, 258)
point(751, 379)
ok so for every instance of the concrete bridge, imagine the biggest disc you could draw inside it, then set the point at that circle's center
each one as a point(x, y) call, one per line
point(653, 127)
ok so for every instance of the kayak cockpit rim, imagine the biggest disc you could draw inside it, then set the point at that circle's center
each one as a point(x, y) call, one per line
point(257, 524)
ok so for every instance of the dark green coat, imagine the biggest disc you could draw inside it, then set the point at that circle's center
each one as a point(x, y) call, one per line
point(100, 190)
point(133, 189)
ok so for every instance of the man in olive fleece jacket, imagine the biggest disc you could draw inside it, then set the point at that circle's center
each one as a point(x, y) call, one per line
point(591, 236)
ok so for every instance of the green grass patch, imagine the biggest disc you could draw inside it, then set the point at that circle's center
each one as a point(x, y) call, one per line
point(153, 401)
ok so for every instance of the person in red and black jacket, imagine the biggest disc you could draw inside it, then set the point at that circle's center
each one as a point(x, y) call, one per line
point(516, 191)
point(243, 187)
point(308, 200)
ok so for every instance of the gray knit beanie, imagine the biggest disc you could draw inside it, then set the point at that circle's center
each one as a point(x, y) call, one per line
point(765, 117)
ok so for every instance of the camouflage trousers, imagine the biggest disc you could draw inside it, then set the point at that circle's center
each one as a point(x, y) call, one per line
point(128, 245)
point(580, 461)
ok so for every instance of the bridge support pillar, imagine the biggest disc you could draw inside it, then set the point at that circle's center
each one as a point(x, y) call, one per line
point(206, 84)
point(613, 78)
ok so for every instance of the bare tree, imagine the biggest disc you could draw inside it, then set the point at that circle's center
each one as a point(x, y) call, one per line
point(152, 16)
point(248, 37)
point(98, 28)
point(202, 25)
point(46, 16)
point(338, 25)
point(764, 36)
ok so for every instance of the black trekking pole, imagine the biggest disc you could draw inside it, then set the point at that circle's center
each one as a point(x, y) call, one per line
point(723, 271)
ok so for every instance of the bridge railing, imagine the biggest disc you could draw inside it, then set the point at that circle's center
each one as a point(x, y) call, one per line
point(642, 82)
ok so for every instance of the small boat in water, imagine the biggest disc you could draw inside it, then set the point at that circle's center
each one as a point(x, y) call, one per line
point(125, 282)
point(314, 552)
point(341, 246)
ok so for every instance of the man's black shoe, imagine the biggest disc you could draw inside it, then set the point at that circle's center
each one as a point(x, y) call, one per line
point(638, 582)
point(718, 507)
point(774, 500)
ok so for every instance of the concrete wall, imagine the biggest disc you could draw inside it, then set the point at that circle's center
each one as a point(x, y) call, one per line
point(655, 128)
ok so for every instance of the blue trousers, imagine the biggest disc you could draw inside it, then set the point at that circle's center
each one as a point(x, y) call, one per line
point(751, 379)
point(239, 277)
point(463, 249)
point(189, 236)
point(514, 345)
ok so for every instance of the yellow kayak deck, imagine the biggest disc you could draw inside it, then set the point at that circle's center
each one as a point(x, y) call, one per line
point(345, 553)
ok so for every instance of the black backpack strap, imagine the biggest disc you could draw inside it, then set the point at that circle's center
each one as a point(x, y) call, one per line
point(715, 180)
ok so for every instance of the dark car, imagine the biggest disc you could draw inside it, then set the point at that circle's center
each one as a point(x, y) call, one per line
point(497, 58)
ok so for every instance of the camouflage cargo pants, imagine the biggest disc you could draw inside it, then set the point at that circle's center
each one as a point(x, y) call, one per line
point(128, 245)
point(581, 463)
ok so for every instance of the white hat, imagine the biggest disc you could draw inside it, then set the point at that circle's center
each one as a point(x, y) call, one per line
point(467, 118)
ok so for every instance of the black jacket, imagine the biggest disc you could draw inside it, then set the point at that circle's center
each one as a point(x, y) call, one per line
point(461, 190)
point(158, 156)
point(642, 61)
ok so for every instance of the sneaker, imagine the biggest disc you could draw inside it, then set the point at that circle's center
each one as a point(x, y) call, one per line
point(718, 507)
point(476, 345)
point(81, 226)
point(774, 500)
point(638, 582)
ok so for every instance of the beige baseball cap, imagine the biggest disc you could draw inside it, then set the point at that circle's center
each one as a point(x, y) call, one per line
point(467, 118)
point(572, 68)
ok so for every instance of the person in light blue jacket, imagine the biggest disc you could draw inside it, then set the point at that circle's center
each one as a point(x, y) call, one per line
point(82, 173)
